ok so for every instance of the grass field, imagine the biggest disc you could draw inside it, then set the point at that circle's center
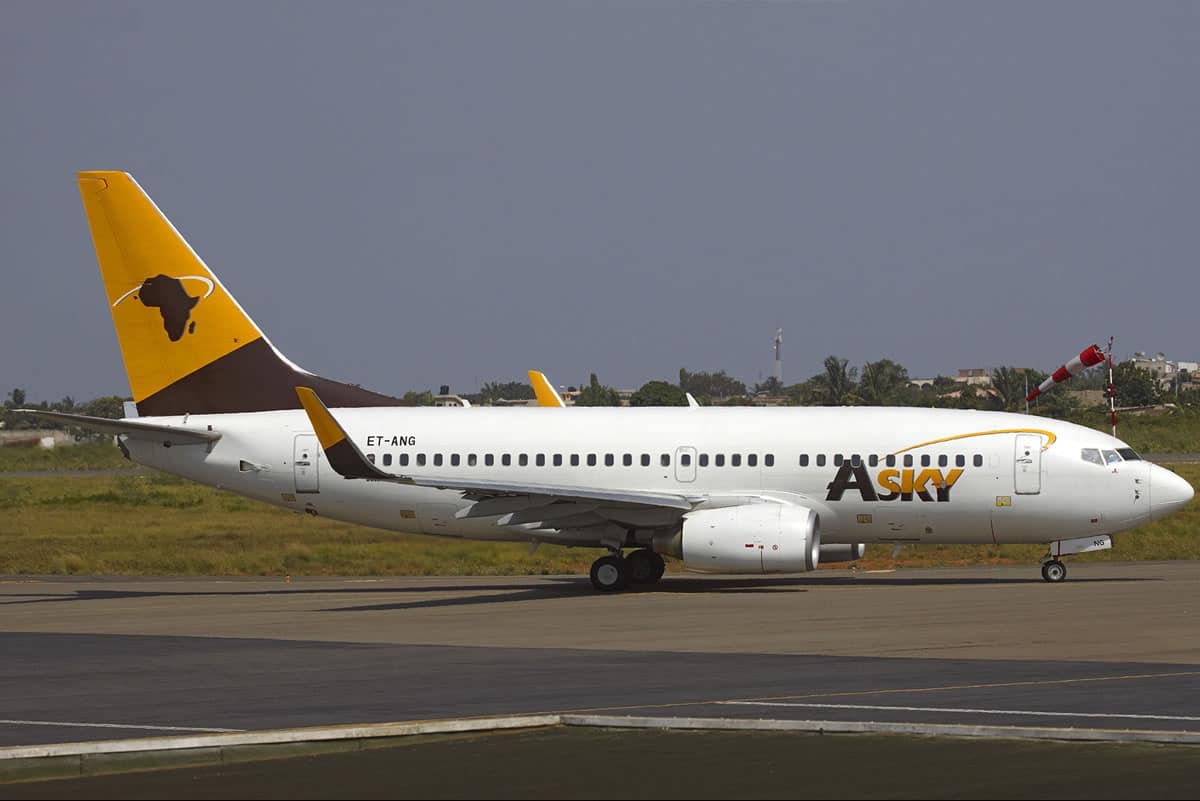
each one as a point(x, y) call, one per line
point(150, 523)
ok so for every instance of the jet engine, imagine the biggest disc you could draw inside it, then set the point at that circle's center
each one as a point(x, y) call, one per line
point(752, 538)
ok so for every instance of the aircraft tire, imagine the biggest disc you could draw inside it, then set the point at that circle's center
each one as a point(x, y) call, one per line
point(1054, 571)
point(610, 573)
point(645, 566)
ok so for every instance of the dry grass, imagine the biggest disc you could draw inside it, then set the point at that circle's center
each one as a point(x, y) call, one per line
point(154, 524)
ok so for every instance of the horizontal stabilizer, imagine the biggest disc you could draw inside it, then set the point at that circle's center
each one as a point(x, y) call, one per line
point(167, 435)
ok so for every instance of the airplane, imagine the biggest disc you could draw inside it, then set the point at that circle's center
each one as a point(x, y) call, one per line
point(746, 490)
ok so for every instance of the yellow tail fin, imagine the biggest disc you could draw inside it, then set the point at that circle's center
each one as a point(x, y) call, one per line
point(187, 344)
point(171, 313)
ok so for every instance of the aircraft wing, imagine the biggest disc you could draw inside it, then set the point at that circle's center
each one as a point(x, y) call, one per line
point(155, 432)
point(347, 460)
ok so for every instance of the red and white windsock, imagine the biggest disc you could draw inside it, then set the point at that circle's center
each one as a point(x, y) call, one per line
point(1089, 358)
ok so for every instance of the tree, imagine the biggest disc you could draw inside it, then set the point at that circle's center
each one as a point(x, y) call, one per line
point(1136, 386)
point(711, 386)
point(1009, 383)
point(837, 383)
point(510, 390)
point(596, 394)
point(884, 383)
point(108, 406)
point(418, 398)
point(658, 393)
point(771, 387)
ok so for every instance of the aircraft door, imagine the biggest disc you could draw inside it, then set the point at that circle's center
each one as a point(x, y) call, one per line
point(1027, 464)
point(685, 463)
point(305, 458)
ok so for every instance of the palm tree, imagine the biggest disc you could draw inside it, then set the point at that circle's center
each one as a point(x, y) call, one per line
point(837, 383)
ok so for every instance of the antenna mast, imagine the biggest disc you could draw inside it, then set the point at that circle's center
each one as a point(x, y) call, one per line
point(779, 357)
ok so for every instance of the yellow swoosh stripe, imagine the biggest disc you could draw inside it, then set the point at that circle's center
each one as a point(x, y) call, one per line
point(1049, 435)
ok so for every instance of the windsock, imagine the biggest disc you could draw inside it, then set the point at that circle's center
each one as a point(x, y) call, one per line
point(1089, 358)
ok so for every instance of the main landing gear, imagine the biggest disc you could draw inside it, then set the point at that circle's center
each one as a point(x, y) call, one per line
point(616, 572)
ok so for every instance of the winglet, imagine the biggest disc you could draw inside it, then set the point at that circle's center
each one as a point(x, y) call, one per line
point(546, 394)
point(691, 401)
point(343, 455)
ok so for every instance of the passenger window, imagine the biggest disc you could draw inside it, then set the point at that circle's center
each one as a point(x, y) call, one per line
point(685, 459)
point(437, 460)
point(506, 459)
point(591, 460)
point(855, 460)
point(609, 460)
point(574, 460)
point(960, 461)
point(719, 460)
point(925, 460)
point(540, 460)
point(454, 460)
point(1111, 457)
point(387, 459)
point(371, 458)
point(769, 460)
point(489, 460)
point(820, 460)
point(471, 460)
point(751, 460)
point(1091, 455)
point(627, 460)
point(645, 460)
point(804, 460)
point(978, 461)
point(891, 460)
point(420, 460)
point(943, 460)
point(523, 460)
point(704, 460)
point(872, 460)
point(558, 460)
point(735, 460)
point(837, 460)
point(665, 460)
point(908, 460)
point(404, 460)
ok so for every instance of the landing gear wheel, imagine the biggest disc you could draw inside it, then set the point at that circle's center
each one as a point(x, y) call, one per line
point(645, 566)
point(610, 573)
point(1054, 571)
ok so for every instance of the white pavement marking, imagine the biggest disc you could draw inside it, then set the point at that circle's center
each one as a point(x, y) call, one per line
point(107, 725)
point(963, 711)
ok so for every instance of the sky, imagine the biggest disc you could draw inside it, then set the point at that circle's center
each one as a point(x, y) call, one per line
point(404, 195)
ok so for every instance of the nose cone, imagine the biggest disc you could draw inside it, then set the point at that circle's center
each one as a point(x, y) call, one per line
point(1169, 492)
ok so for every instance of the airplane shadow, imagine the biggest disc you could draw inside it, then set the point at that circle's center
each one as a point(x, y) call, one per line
point(545, 588)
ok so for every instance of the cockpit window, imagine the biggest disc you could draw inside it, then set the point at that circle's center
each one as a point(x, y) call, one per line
point(1129, 454)
point(1092, 455)
point(1111, 457)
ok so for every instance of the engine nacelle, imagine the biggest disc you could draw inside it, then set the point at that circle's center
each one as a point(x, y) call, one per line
point(752, 538)
point(843, 553)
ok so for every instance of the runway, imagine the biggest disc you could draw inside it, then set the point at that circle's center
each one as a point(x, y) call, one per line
point(1114, 648)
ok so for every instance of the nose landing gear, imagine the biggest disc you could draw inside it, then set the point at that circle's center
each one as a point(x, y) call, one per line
point(1054, 571)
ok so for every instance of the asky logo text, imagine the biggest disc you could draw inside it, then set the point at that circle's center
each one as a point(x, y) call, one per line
point(928, 483)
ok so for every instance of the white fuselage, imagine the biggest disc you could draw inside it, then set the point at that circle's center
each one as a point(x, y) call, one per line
point(974, 477)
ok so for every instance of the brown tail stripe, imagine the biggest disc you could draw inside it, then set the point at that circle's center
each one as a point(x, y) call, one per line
point(252, 379)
